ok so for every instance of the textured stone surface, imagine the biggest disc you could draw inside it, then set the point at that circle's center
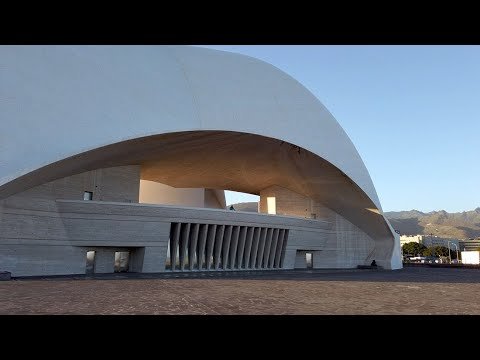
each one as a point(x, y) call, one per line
point(407, 291)
point(5, 275)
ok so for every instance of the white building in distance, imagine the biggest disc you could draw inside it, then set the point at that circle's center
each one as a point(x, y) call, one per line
point(429, 241)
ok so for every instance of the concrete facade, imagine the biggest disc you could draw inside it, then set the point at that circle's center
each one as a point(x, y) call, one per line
point(44, 235)
point(349, 247)
point(204, 121)
point(286, 202)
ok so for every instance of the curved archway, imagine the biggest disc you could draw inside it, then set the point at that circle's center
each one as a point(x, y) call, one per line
point(230, 161)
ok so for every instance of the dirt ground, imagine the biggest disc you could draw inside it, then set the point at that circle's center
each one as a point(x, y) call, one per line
point(407, 291)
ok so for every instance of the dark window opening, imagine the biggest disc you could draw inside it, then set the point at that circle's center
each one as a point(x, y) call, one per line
point(309, 260)
point(90, 266)
point(121, 261)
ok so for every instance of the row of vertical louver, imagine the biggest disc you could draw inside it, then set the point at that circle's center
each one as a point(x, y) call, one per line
point(225, 247)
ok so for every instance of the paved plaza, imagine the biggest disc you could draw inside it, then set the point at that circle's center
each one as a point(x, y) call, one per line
point(421, 290)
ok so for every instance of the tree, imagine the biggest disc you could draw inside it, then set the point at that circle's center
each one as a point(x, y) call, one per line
point(413, 248)
point(439, 251)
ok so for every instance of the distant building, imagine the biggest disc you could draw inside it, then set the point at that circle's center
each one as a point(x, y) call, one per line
point(469, 245)
point(410, 238)
point(471, 257)
point(429, 241)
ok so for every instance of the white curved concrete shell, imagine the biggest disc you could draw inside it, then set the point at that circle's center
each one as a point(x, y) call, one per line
point(66, 110)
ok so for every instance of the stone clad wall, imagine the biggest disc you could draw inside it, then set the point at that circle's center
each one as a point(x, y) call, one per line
point(36, 239)
point(287, 202)
point(47, 230)
point(344, 245)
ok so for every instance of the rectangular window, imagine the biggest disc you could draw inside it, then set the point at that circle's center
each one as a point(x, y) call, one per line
point(88, 195)
point(309, 260)
point(90, 267)
point(121, 261)
point(271, 205)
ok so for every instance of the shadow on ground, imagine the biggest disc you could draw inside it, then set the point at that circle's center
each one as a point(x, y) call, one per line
point(407, 274)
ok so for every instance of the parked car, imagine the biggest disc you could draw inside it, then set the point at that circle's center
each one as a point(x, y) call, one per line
point(432, 260)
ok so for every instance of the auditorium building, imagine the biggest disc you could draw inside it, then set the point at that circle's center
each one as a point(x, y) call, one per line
point(116, 158)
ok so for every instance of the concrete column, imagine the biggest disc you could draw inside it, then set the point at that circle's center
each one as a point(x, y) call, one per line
point(254, 251)
point(261, 248)
point(278, 251)
point(212, 231)
point(248, 247)
point(184, 235)
point(300, 259)
point(241, 246)
point(227, 238)
point(233, 246)
point(154, 259)
point(284, 247)
point(288, 259)
point(104, 261)
point(174, 240)
point(266, 252)
point(192, 249)
point(202, 241)
point(273, 248)
point(217, 252)
point(136, 260)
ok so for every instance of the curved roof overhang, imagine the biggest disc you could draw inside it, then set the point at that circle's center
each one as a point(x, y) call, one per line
point(225, 160)
point(59, 101)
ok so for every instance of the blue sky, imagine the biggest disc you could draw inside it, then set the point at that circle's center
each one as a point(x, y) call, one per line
point(413, 113)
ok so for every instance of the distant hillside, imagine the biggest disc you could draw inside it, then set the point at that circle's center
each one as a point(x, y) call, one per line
point(461, 225)
point(245, 206)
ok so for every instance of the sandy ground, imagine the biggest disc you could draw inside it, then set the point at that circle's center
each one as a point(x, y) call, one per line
point(407, 291)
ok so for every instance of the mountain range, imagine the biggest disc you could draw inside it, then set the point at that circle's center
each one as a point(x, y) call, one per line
point(461, 225)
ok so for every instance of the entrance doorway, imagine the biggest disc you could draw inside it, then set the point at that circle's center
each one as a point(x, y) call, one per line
point(304, 259)
point(90, 266)
point(121, 261)
point(309, 260)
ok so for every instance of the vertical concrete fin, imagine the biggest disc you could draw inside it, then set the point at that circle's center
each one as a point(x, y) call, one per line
point(278, 251)
point(284, 247)
point(248, 247)
point(268, 245)
point(212, 233)
point(227, 239)
point(184, 235)
point(174, 244)
point(192, 249)
point(261, 248)
point(255, 242)
point(217, 252)
point(273, 248)
point(241, 247)
point(233, 247)
point(202, 241)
